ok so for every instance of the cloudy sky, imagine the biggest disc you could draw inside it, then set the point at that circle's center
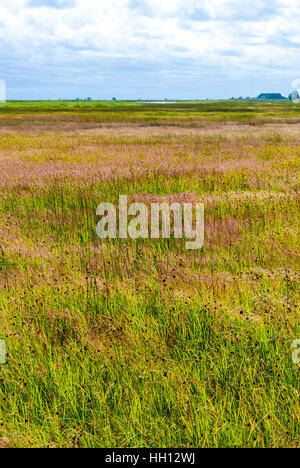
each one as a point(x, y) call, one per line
point(149, 49)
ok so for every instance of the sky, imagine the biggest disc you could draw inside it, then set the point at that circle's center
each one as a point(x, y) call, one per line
point(148, 49)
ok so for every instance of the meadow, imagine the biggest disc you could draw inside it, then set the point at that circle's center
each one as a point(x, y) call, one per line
point(142, 343)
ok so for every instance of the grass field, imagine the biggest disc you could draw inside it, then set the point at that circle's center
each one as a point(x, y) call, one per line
point(143, 343)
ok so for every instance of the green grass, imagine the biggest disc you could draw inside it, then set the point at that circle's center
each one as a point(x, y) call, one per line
point(143, 343)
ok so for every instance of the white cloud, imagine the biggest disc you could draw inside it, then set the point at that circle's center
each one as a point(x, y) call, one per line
point(238, 35)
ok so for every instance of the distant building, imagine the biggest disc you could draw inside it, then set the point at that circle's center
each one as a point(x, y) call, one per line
point(271, 96)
